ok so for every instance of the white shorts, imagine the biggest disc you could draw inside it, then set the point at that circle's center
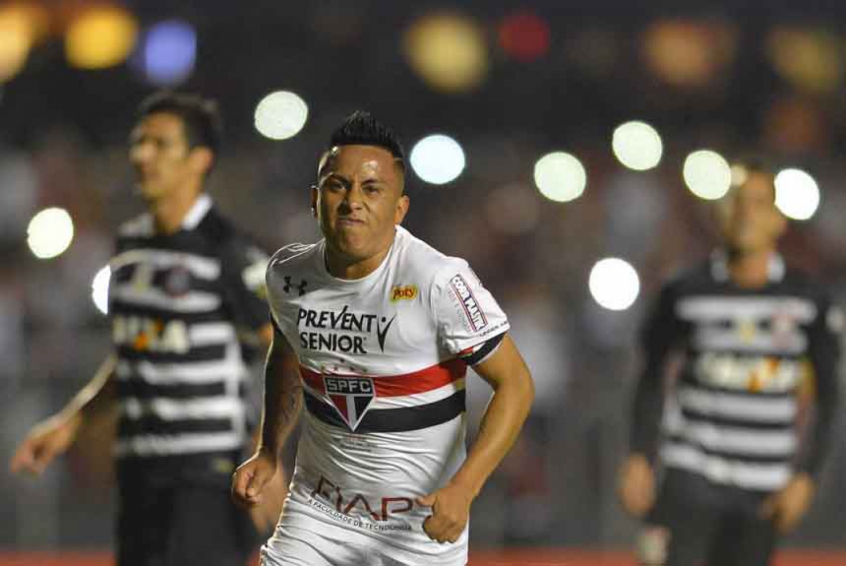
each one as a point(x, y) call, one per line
point(305, 538)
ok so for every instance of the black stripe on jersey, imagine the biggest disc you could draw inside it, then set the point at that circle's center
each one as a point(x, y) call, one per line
point(393, 420)
point(774, 458)
point(118, 307)
point(139, 389)
point(722, 420)
point(482, 352)
point(151, 424)
point(213, 353)
point(205, 468)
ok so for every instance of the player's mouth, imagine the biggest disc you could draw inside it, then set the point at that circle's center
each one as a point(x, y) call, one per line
point(349, 221)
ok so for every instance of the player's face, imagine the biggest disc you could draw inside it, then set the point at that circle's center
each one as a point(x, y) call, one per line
point(359, 201)
point(748, 217)
point(160, 154)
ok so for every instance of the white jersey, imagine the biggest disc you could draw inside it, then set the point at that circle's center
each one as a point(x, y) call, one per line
point(383, 361)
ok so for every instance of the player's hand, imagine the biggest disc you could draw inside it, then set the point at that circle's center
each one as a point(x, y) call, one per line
point(787, 506)
point(43, 443)
point(265, 515)
point(450, 511)
point(636, 488)
point(251, 478)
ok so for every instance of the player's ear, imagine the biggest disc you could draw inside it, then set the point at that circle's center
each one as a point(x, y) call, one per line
point(313, 198)
point(201, 159)
point(779, 223)
point(401, 210)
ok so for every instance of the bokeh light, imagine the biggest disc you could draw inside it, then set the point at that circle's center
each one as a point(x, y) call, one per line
point(100, 37)
point(437, 159)
point(707, 174)
point(687, 53)
point(614, 284)
point(100, 289)
point(447, 51)
point(169, 53)
point(810, 59)
point(797, 194)
point(50, 233)
point(560, 177)
point(281, 115)
point(20, 25)
point(524, 36)
point(637, 145)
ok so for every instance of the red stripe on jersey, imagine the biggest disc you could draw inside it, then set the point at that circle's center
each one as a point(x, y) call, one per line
point(421, 381)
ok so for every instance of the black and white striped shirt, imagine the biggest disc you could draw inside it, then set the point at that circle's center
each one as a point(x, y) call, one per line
point(731, 416)
point(178, 304)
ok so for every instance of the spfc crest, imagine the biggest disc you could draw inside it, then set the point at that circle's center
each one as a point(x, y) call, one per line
point(351, 397)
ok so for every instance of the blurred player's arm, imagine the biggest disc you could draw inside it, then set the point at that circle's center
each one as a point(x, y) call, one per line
point(283, 400)
point(56, 434)
point(513, 393)
point(637, 478)
point(787, 506)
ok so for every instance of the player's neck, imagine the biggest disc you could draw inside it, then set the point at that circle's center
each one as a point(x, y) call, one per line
point(343, 267)
point(750, 270)
point(170, 211)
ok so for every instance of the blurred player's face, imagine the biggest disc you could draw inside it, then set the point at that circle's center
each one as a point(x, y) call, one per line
point(163, 161)
point(359, 201)
point(748, 217)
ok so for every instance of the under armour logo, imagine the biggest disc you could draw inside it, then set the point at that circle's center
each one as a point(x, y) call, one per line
point(301, 287)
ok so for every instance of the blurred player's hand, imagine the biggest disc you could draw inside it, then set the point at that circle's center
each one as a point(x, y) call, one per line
point(787, 506)
point(251, 478)
point(44, 442)
point(636, 487)
point(266, 514)
point(450, 511)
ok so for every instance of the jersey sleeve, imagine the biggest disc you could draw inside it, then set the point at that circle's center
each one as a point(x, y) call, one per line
point(244, 266)
point(660, 334)
point(824, 353)
point(470, 323)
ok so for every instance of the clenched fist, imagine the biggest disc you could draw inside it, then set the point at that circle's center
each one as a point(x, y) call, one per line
point(252, 476)
point(450, 512)
point(636, 487)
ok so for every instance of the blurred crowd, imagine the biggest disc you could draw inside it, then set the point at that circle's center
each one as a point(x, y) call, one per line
point(557, 485)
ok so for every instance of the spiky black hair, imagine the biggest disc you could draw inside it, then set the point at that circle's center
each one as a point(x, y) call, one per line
point(360, 128)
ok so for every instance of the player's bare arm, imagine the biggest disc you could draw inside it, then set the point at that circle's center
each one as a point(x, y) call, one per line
point(53, 436)
point(283, 400)
point(265, 515)
point(513, 393)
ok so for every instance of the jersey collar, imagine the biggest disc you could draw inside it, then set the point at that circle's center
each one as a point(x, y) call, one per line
point(720, 271)
point(197, 212)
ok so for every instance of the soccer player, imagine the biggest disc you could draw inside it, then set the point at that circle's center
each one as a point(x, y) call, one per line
point(750, 330)
point(185, 285)
point(374, 331)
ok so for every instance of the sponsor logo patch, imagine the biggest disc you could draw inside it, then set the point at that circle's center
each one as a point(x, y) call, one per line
point(290, 286)
point(351, 397)
point(343, 331)
point(403, 293)
point(475, 316)
point(177, 281)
